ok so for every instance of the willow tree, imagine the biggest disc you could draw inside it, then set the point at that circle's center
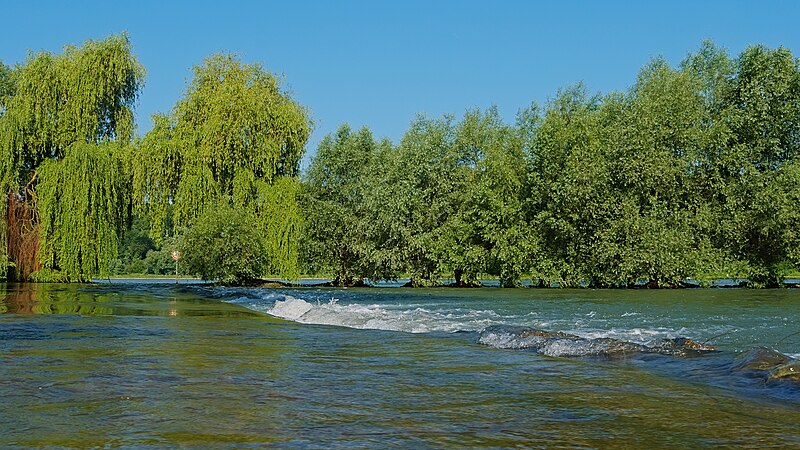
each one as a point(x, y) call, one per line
point(661, 229)
point(762, 109)
point(236, 137)
point(61, 108)
point(333, 200)
point(569, 203)
point(409, 198)
point(490, 223)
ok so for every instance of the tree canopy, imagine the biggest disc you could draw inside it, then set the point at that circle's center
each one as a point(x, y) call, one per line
point(59, 109)
point(235, 138)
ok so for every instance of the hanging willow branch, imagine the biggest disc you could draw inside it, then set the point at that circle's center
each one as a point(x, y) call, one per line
point(280, 217)
point(83, 204)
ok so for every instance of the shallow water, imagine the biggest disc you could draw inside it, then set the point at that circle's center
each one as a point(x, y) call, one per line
point(163, 365)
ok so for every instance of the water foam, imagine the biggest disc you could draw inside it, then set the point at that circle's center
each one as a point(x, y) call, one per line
point(381, 317)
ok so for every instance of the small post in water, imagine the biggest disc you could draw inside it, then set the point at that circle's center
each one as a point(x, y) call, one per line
point(176, 256)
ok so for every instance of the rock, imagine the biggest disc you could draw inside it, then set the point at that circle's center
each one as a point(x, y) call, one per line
point(556, 343)
point(682, 347)
point(789, 371)
point(762, 358)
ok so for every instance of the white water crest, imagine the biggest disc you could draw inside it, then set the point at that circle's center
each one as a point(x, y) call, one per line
point(382, 317)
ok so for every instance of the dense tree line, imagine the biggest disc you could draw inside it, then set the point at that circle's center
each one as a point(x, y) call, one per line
point(691, 173)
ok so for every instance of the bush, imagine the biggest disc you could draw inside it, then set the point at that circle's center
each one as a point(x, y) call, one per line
point(225, 244)
point(159, 262)
point(137, 266)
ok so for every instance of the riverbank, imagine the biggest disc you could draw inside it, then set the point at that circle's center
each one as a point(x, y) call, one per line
point(722, 283)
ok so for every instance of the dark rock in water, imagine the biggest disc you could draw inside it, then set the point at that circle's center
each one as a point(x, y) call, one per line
point(555, 343)
point(762, 358)
point(761, 362)
point(789, 371)
point(681, 347)
point(770, 364)
point(516, 337)
point(607, 347)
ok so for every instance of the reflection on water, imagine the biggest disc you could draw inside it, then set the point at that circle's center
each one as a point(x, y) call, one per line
point(166, 366)
point(123, 300)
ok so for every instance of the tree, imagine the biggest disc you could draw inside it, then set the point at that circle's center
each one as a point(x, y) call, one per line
point(662, 225)
point(754, 103)
point(236, 138)
point(334, 191)
point(233, 247)
point(486, 231)
point(569, 203)
point(62, 108)
point(410, 201)
point(78, 234)
point(762, 111)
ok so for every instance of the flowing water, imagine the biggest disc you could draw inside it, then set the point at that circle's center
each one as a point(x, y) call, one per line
point(159, 365)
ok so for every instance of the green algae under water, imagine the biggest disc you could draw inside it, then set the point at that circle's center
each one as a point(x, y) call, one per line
point(163, 366)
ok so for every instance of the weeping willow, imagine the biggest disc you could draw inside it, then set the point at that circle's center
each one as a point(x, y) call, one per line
point(236, 137)
point(61, 109)
point(281, 217)
point(78, 234)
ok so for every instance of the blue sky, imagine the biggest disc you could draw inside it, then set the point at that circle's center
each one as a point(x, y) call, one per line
point(380, 63)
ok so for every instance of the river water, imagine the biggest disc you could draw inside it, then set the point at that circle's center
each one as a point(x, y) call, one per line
point(159, 365)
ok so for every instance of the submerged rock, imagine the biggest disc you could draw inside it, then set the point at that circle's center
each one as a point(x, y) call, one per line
point(682, 347)
point(762, 358)
point(760, 362)
point(556, 343)
point(770, 364)
point(789, 371)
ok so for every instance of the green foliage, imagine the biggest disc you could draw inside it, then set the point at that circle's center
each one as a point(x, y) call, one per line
point(410, 200)
point(280, 220)
point(661, 133)
point(569, 202)
point(58, 108)
point(486, 232)
point(691, 172)
point(136, 242)
point(156, 171)
point(78, 234)
point(85, 95)
point(159, 261)
point(333, 201)
point(47, 275)
point(225, 244)
point(234, 139)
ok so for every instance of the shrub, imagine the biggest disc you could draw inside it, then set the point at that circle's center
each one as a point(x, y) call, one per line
point(225, 244)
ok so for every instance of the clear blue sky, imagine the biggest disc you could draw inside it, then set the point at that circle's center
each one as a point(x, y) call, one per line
point(379, 63)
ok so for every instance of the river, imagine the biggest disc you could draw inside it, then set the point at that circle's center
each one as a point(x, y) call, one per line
point(160, 365)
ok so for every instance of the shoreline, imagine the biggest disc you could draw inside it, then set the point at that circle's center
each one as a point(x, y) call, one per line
point(320, 282)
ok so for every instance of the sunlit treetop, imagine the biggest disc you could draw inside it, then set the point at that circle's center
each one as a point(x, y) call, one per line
point(236, 115)
point(84, 95)
point(235, 127)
